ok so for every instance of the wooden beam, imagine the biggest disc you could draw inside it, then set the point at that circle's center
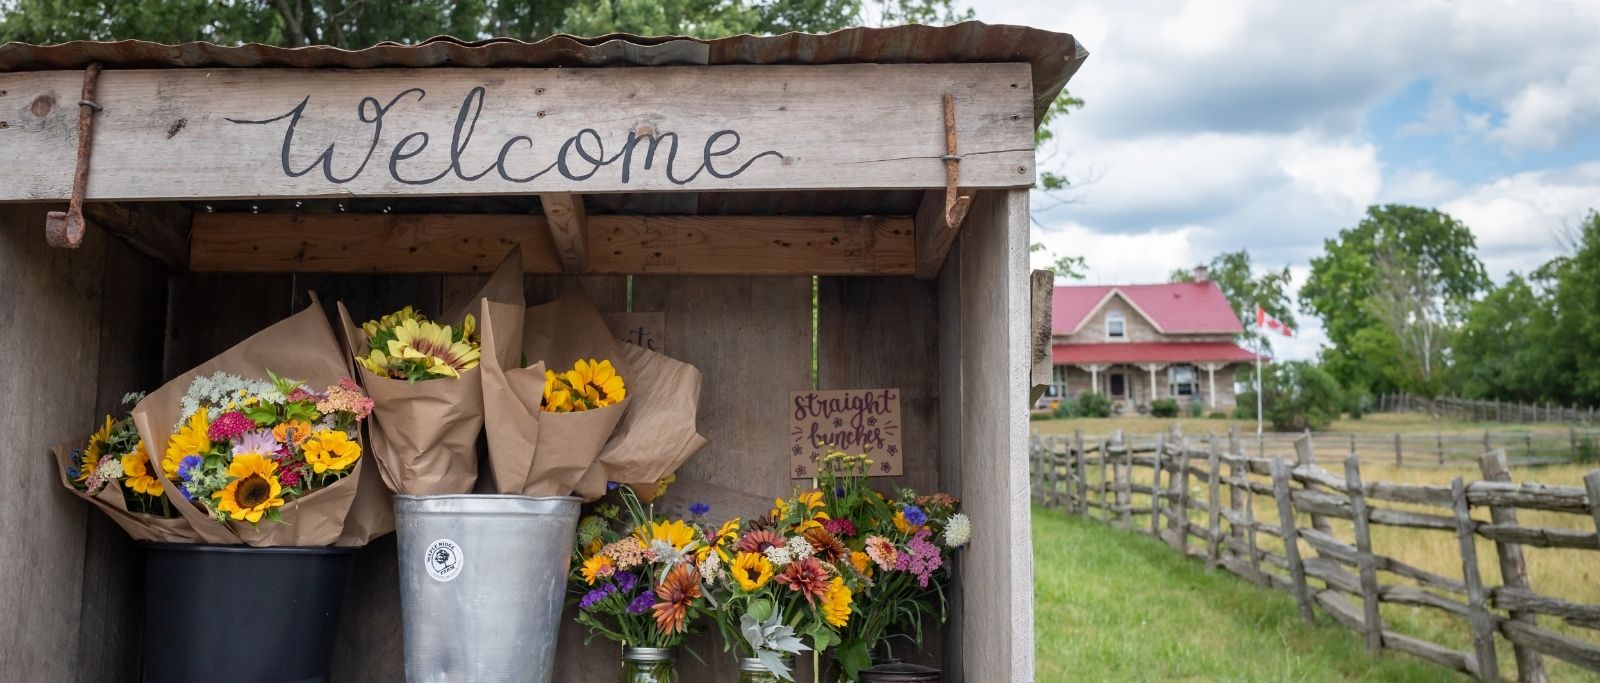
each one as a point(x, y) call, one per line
point(468, 243)
point(190, 134)
point(934, 235)
point(568, 228)
point(159, 231)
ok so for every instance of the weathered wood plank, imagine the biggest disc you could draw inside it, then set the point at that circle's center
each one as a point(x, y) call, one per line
point(1513, 567)
point(225, 133)
point(475, 243)
point(1180, 491)
point(1525, 600)
point(933, 235)
point(1586, 655)
point(1304, 456)
point(1213, 505)
point(159, 231)
point(1477, 598)
point(569, 229)
point(1291, 539)
point(1438, 654)
point(1372, 621)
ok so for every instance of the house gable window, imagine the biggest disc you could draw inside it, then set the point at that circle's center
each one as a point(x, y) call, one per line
point(1116, 326)
point(1181, 380)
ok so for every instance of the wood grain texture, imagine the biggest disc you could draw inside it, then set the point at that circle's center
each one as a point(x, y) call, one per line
point(1513, 567)
point(221, 133)
point(569, 229)
point(132, 319)
point(951, 392)
point(996, 632)
point(1367, 567)
point(51, 303)
point(1291, 538)
point(1477, 597)
point(934, 235)
point(475, 243)
point(208, 314)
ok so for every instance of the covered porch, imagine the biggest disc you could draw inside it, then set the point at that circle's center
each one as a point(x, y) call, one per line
point(1134, 375)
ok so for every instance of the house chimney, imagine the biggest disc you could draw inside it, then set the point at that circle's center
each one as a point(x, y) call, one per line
point(1202, 274)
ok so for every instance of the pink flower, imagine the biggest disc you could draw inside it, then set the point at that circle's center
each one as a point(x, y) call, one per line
point(921, 558)
point(289, 477)
point(840, 527)
point(229, 426)
point(346, 396)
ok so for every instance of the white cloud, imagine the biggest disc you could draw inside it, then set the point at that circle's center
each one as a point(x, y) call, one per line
point(1120, 258)
point(1542, 114)
point(1516, 219)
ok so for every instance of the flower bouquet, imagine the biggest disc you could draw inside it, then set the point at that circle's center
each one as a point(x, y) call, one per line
point(900, 550)
point(427, 388)
point(637, 582)
point(779, 582)
point(112, 470)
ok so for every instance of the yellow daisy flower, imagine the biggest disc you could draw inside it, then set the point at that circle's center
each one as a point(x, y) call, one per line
point(331, 450)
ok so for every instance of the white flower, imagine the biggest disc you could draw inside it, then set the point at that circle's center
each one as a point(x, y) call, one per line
point(800, 548)
point(109, 468)
point(711, 568)
point(957, 531)
point(779, 555)
point(668, 555)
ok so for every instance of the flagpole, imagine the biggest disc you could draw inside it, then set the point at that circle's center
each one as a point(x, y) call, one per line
point(1260, 342)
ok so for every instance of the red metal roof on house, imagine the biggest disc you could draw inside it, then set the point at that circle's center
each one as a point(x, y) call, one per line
point(1152, 352)
point(1176, 308)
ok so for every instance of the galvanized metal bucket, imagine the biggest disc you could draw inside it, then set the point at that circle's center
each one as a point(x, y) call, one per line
point(482, 581)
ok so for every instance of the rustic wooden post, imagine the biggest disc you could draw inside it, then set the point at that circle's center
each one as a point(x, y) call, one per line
point(1213, 504)
point(1399, 457)
point(1178, 518)
point(1035, 472)
point(1236, 498)
point(1440, 441)
point(1365, 564)
point(1123, 475)
point(1105, 484)
point(1513, 567)
point(1527, 439)
point(1591, 484)
point(1250, 526)
point(1478, 611)
point(1155, 489)
point(1057, 495)
point(1083, 479)
point(1291, 537)
point(1572, 430)
point(1304, 455)
point(1352, 443)
point(1486, 442)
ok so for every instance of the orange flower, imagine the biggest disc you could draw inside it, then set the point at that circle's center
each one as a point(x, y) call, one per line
point(827, 546)
point(807, 577)
point(293, 431)
point(675, 594)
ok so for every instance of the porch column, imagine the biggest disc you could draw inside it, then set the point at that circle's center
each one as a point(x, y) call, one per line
point(1211, 378)
point(1094, 375)
point(1152, 368)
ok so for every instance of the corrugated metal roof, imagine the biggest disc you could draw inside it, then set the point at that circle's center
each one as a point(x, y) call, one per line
point(1054, 57)
point(1174, 308)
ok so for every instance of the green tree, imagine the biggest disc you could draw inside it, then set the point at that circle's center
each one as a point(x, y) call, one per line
point(1236, 276)
point(1065, 103)
point(1503, 349)
point(1295, 396)
point(1575, 340)
point(1427, 245)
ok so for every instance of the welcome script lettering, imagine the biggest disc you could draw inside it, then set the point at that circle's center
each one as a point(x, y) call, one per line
point(581, 156)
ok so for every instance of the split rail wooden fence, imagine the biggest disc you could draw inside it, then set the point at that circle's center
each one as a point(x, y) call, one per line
point(1488, 411)
point(1420, 449)
point(1202, 502)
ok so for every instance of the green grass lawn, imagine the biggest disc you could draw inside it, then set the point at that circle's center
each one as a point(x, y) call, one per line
point(1111, 605)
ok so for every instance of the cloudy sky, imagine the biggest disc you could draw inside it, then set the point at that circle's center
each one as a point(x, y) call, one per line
point(1269, 125)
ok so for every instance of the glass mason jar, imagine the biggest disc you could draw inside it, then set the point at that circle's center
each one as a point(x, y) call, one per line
point(649, 665)
point(751, 670)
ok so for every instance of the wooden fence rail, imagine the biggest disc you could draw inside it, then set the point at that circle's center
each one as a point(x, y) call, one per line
point(1487, 411)
point(1522, 446)
point(1349, 580)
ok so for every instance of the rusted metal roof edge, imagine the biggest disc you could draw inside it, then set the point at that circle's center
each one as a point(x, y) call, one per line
point(1054, 57)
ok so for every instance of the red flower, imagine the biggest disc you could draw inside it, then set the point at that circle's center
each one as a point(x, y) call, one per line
point(758, 541)
point(808, 577)
point(229, 426)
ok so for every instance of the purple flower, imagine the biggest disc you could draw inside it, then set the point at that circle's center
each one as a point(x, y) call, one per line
point(611, 486)
point(915, 515)
point(594, 597)
point(699, 509)
point(625, 581)
point(641, 604)
point(187, 465)
point(259, 442)
point(921, 558)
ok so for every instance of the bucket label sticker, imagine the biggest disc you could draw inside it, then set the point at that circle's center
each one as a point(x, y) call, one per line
point(444, 560)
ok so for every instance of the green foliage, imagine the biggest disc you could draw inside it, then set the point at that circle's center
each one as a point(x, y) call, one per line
point(1063, 409)
point(1424, 244)
point(1065, 267)
point(356, 23)
point(1064, 104)
point(1217, 415)
point(1091, 404)
point(1235, 275)
point(1196, 408)
point(1164, 407)
point(1298, 395)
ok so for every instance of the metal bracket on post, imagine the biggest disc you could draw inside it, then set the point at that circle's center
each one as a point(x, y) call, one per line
point(955, 205)
point(66, 229)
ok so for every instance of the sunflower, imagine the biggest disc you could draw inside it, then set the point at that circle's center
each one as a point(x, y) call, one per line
point(597, 567)
point(190, 439)
point(253, 489)
point(595, 383)
point(675, 595)
point(752, 571)
point(862, 562)
point(557, 395)
point(91, 453)
point(331, 450)
point(827, 545)
point(292, 431)
point(137, 474)
point(727, 535)
point(426, 345)
point(836, 603)
point(807, 577)
point(675, 533)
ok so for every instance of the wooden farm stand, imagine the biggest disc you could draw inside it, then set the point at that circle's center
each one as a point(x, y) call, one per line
point(706, 180)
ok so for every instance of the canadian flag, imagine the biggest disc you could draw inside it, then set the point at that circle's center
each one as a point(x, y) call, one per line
point(1268, 323)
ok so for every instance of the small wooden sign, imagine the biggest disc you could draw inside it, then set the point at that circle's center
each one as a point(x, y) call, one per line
point(644, 330)
point(853, 420)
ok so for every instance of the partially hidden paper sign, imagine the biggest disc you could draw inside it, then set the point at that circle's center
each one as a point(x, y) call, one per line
point(852, 420)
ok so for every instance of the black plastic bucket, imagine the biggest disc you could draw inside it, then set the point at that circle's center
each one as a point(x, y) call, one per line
point(241, 614)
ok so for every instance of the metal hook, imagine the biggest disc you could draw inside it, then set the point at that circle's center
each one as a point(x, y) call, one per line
point(955, 205)
point(65, 229)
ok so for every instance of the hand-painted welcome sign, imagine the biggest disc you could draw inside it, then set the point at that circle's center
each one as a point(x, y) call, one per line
point(853, 420)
